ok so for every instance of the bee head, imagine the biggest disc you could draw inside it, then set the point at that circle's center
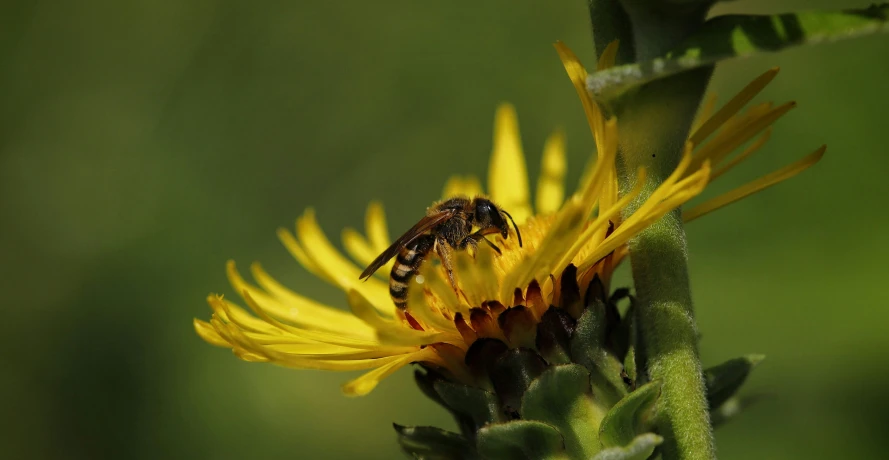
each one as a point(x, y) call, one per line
point(489, 215)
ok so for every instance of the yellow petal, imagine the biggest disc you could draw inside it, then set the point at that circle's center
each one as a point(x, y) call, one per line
point(668, 196)
point(507, 174)
point(375, 226)
point(460, 185)
point(231, 313)
point(583, 252)
point(299, 310)
point(705, 112)
point(209, 334)
point(393, 332)
point(309, 335)
point(433, 279)
point(298, 253)
point(539, 264)
point(336, 267)
point(551, 185)
point(419, 306)
point(732, 137)
point(330, 318)
point(362, 252)
point(752, 148)
point(578, 74)
point(609, 54)
point(732, 107)
point(760, 184)
point(367, 382)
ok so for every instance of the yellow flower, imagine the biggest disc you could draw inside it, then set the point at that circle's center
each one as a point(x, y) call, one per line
point(570, 245)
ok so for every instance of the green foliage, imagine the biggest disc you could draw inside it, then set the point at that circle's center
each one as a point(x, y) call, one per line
point(479, 405)
point(562, 397)
point(521, 439)
point(724, 380)
point(639, 449)
point(433, 443)
point(587, 348)
point(630, 417)
point(732, 36)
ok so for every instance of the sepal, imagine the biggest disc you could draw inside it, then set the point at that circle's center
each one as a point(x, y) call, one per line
point(562, 398)
point(724, 380)
point(521, 440)
point(640, 448)
point(588, 349)
point(630, 417)
point(432, 443)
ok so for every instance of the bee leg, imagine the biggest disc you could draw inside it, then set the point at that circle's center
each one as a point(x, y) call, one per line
point(445, 253)
point(473, 240)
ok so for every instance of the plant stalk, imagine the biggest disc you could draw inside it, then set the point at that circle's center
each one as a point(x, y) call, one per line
point(653, 126)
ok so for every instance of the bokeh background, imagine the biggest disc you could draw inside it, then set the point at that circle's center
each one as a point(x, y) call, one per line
point(144, 143)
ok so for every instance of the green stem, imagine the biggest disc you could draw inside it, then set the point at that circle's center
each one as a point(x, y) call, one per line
point(653, 125)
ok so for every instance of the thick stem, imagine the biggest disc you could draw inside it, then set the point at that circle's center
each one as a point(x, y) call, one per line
point(653, 126)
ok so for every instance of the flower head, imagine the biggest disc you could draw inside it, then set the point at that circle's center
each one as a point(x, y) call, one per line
point(571, 246)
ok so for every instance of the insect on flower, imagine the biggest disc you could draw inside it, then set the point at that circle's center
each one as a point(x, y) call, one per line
point(446, 227)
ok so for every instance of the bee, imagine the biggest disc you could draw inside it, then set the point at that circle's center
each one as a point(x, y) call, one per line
point(447, 227)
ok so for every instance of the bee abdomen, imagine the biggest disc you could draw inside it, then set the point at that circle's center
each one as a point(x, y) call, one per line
point(407, 263)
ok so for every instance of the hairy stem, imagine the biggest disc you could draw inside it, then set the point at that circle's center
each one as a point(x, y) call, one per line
point(653, 126)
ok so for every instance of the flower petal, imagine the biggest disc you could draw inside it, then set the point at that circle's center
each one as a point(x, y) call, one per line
point(459, 185)
point(551, 185)
point(206, 331)
point(732, 107)
point(391, 332)
point(609, 54)
point(507, 174)
point(737, 159)
point(375, 227)
point(337, 268)
point(578, 74)
point(730, 138)
point(759, 184)
point(333, 319)
point(367, 382)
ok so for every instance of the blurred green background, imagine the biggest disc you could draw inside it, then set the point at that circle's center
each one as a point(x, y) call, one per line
point(144, 143)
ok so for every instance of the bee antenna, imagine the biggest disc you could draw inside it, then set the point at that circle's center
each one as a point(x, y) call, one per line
point(516, 227)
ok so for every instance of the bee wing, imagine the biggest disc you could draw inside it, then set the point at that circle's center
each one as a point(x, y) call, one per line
point(425, 224)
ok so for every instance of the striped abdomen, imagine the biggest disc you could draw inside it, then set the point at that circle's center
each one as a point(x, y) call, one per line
point(407, 264)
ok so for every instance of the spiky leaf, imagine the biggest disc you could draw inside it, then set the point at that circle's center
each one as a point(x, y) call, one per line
point(479, 405)
point(731, 36)
point(519, 440)
point(514, 371)
point(731, 408)
point(639, 449)
point(554, 335)
point(630, 416)
point(724, 380)
point(588, 349)
point(561, 397)
point(434, 443)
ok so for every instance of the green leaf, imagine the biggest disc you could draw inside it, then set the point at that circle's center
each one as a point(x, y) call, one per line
point(513, 373)
point(630, 416)
point(732, 36)
point(731, 408)
point(479, 405)
point(587, 348)
point(639, 449)
point(434, 443)
point(520, 439)
point(724, 380)
point(561, 397)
